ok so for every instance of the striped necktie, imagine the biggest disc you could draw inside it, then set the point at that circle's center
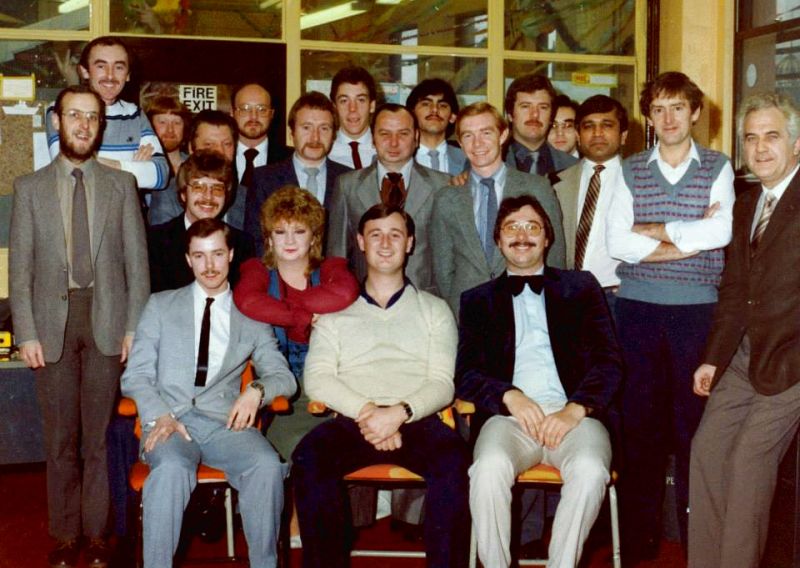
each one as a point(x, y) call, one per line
point(763, 221)
point(587, 216)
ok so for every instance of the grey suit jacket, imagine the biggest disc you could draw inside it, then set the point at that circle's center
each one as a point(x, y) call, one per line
point(39, 279)
point(567, 190)
point(458, 260)
point(456, 160)
point(359, 190)
point(161, 368)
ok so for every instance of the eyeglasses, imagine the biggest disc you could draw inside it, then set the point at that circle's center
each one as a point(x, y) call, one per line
point(258, 109)
point(563, 125)
point(200, 188)
point(528, 227)
point(76, 115)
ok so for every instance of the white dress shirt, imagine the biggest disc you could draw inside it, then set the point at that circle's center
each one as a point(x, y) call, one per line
point(259, 160)
point(423, 156)
point(596, 258)
point(220, 328)
point(342, 153)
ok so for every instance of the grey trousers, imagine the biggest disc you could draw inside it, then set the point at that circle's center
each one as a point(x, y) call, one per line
point(251, 466)
point(734, 463)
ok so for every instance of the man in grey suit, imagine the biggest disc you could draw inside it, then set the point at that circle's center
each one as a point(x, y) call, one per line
point(395, 178)
point(191, 347)
point(79, 279)
point(464, 252)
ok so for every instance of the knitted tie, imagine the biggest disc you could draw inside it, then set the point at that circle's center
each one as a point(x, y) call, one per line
point(249, 165)
point(311, 184)
point(434, 154)
point(490, 200)
point(82, 272)
point(763, 221)
point(587, 215)
point(356, 157)
point(202, 353)
point(393, 190)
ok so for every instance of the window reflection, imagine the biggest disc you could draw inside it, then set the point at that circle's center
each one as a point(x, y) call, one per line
point(45, 14)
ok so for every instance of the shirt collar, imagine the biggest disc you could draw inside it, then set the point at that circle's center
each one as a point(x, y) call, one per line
point(300, 165)
point(365, 138)
point(66, 167)
point(499, 176)
point(392, 301)
point(779, 189)
point(405, 170)
point(221, 300)
point(611, 164)
point(692, 155)
point(261, 147)
point(441, 148)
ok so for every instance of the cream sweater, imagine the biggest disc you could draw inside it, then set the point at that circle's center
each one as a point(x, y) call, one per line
point(367, 354)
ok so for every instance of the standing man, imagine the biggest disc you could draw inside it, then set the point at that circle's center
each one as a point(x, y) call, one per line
point(463, 218)
point(312, 127)
point(529, 109)
point(387, 416)
point(541, 380)
point(191, 347)
point(563, 133)
point(585, 189)
point(668, 223)
point(750, 366)
point(395, 179)
point(435, 105)
point(128, 143)
point(78, 281)
point(354, 94)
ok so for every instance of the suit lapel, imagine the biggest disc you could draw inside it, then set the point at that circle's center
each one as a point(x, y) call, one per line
point(233, 342)
point(104, 190)
point(48, 204)
point(784, 215)
point(419, 189)
point(503, 311)
point(182, 325)
point(469, 232)
point(567, 192)
point(367, 187)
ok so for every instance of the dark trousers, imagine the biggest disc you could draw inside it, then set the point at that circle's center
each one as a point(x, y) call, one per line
point(76, 396)
point(662, 346)
point(336, 448)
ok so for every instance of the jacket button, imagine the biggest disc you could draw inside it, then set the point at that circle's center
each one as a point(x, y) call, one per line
point(64, 297)
point(491, 275)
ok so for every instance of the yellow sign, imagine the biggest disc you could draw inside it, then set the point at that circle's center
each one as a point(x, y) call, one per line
point(608, 80)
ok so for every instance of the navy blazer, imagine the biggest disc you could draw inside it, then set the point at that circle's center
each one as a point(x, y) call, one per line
point(582, 336)
point(268, 179)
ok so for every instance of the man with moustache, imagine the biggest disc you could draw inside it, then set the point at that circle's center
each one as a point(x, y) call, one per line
point(129, 143)
point(435, 105)
point(205, 182)
point(394, 179)
point(538, 356)
point(191, 348)
point(312, 127)
point(585, 189)
point(563, 133)
point(353, 93)
point(529, 110)
point(78, 281)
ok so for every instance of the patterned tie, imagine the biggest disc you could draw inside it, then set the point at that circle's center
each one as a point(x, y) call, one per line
point(587, 215)
point(434, 154)
point(249, 165)
point(763, 221)
point(393, 190)
point(356, 157)
point(202, 353)
point(490, 199)
point(82, 272)
point(311, 184)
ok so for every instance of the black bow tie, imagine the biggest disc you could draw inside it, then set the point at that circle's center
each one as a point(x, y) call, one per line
point(517, 283)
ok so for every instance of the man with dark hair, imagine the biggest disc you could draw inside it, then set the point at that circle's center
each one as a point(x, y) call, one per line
point(394, 179)
point(563, 134)
point(529, 109)
point(128, 143)
point(541, 380)
point(312, 124)
point(435, 105)
point(390, 416)
point(585, 189)
point(187, 395)
point(669, 222)
point(78, 282)
point(354, 95)
point(205, 184)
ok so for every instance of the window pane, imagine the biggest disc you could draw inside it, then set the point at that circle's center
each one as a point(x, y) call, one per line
point(54, 63)
point(757, 13)
point(45, 14)
point(604, 27)
point(215, 18)
point(458, 23)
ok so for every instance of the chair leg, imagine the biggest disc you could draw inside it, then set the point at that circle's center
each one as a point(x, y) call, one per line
point(615, 548)
point(229, 522)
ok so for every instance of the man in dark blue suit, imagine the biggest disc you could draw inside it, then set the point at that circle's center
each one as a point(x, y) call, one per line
point(312, 124)
point(538, 356)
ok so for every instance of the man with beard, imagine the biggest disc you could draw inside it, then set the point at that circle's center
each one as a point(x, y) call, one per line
point(79, 280)
point(312, 126)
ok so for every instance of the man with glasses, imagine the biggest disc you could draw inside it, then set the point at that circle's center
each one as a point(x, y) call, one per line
point(538, 356)
point(205, 184)
point(563, 133)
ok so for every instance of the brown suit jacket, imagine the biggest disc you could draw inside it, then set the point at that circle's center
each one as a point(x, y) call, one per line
point(760, 296)
point(38, 277)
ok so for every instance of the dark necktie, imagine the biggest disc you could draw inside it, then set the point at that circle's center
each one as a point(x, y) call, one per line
point(516, 284)
point(202, 353)
point(527, 161)
point(490, 199)
point(763, 221)
point(393, 190)
point(249, 165)
point(82, 272)
point(356, 157)
point(587, 215)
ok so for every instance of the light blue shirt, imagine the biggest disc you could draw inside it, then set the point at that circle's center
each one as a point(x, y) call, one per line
point(478, 204)
point(302, 176)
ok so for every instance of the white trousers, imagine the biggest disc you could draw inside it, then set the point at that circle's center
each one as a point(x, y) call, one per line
point(502, 452)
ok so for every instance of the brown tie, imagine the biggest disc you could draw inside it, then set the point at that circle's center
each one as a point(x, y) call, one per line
point(82, 272)
point(356, 157)
point(763, 221)
point(393, 190)
point(587, 215)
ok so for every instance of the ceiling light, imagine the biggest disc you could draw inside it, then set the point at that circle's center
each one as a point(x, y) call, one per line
point(72, 5)
point(332, 14)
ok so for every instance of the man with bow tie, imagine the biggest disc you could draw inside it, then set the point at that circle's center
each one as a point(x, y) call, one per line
point(538, 356)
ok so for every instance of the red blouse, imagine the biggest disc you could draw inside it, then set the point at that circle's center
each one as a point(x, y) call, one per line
point(337, 289)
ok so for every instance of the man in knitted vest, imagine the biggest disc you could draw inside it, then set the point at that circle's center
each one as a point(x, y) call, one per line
point(385, 365)
point(668, 223)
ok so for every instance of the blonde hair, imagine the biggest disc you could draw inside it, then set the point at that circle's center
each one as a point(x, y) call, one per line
point(292, 203)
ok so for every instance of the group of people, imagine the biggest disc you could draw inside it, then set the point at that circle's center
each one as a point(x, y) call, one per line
point(396, 258)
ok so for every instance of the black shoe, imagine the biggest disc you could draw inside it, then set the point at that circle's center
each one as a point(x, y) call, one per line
point(98, 553)
point(65, 554)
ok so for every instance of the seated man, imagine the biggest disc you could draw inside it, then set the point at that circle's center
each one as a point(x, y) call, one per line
point(385, 365)
point(184, 373)
point(536, 366)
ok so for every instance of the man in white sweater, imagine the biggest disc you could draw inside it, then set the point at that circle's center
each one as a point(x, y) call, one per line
point(385, 365)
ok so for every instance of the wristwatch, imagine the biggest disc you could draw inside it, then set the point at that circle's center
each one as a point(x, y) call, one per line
point(259, 387)
point(407, 408)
